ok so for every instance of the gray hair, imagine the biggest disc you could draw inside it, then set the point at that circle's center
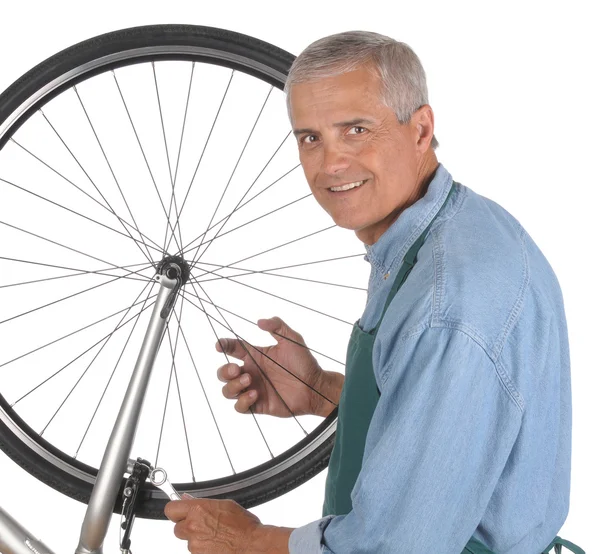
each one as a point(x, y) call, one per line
point(404, 87)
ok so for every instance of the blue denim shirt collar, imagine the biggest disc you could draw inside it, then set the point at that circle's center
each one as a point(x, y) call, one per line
point(387, 253)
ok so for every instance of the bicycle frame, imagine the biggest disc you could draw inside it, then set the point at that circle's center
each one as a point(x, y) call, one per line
point(14, 538)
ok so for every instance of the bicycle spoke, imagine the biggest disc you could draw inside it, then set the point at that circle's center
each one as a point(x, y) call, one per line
point(192, 278)
point(162, 122)
point(229, 361)
point(59, 300)
point(188, 247)
point(95, 358)
point(261, 431)
point(101, 272)
point(237, 163)
point(111, 169)
point(271, 274)
point(246, 193)
point(67, 336)
point(218, 236)
point(266, 355)
point(187, 104)
point(75, 359)
point(164, 134)
point(279, 335)
point(275, 247)
point(173, 201)
point(114, 369)
point(173, 349)
point(64, 246)
point(265, 376)
point(69, 210)
point(123, 222)
point(205, 395)
point(243, 343)
point(203, 150)
point(148, 256)
point(66, 277)
point(220, 266)
point(164, 415)
point(310, 263)
point(141, 150)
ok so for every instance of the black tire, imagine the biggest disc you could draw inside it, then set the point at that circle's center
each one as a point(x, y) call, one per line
point(233, 50)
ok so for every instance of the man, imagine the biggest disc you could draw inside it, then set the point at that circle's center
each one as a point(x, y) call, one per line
point(459, 363)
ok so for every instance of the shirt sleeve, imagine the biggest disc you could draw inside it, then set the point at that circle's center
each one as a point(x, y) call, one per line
point(439, 439)
point(308, 538)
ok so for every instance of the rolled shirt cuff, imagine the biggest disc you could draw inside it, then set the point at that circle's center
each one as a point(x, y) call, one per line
point(308, 539)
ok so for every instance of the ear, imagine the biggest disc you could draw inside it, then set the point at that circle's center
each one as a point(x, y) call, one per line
point(424, 123)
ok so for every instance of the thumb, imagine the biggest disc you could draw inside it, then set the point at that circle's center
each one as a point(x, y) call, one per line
point(279, 330)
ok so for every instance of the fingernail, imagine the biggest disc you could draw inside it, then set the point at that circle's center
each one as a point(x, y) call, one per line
point(245, 379)
point(187, 496)
point(252, 394)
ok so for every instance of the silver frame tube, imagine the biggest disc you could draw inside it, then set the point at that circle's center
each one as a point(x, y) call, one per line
point(15, 539)
point(114, 462)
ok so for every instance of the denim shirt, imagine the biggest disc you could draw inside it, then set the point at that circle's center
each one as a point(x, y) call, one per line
point(472, 432)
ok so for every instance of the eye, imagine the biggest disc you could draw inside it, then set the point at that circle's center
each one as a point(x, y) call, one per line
point(357, 130)
point(309, 139)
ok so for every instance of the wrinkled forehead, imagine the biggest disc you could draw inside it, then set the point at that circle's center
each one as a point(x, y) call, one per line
point(334, 96)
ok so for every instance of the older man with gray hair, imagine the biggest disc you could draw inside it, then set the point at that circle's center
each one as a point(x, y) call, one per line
point(454, 420)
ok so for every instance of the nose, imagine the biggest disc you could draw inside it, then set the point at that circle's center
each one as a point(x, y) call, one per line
point(335, 159)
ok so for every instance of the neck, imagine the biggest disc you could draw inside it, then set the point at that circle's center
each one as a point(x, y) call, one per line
point(425, 174)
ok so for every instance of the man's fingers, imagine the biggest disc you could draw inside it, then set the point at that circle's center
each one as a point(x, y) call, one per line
point(232, 347)
point(181, 532)
point(279, 329)
point(234, 387)
point(246, 400)
point(272, 325)
point(228, 372)
point(177, 510)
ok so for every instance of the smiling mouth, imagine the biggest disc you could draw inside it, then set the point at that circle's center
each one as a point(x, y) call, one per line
point(348, 186)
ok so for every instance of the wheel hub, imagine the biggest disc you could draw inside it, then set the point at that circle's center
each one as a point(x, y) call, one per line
point(173, 267)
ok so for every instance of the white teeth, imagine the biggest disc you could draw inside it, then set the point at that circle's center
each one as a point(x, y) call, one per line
point(348, 186)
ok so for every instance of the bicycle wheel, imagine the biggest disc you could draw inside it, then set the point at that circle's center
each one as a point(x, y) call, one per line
point(118, 153)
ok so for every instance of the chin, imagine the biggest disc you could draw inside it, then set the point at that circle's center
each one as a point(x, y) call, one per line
point(348, 223)
point(351, 219)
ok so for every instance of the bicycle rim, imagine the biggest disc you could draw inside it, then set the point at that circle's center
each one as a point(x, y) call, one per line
point(114, 155)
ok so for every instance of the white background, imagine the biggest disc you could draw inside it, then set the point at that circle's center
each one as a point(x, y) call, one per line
point(515, 93)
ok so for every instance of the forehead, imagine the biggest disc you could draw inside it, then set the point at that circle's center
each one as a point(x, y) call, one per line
point(353, 94)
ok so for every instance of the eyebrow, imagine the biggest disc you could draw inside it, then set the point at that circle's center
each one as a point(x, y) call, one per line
point(349, 123)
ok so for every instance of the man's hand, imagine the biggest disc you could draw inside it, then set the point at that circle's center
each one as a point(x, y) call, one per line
point(248, 385)
point(224, 527)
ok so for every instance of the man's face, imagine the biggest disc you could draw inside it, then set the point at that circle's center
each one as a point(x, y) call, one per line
point(347, 136)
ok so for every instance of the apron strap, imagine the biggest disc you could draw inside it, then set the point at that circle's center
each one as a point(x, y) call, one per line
point(558, 543)
point(476, 547)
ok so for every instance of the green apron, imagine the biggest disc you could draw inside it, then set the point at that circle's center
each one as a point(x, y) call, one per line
point(356, 406)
